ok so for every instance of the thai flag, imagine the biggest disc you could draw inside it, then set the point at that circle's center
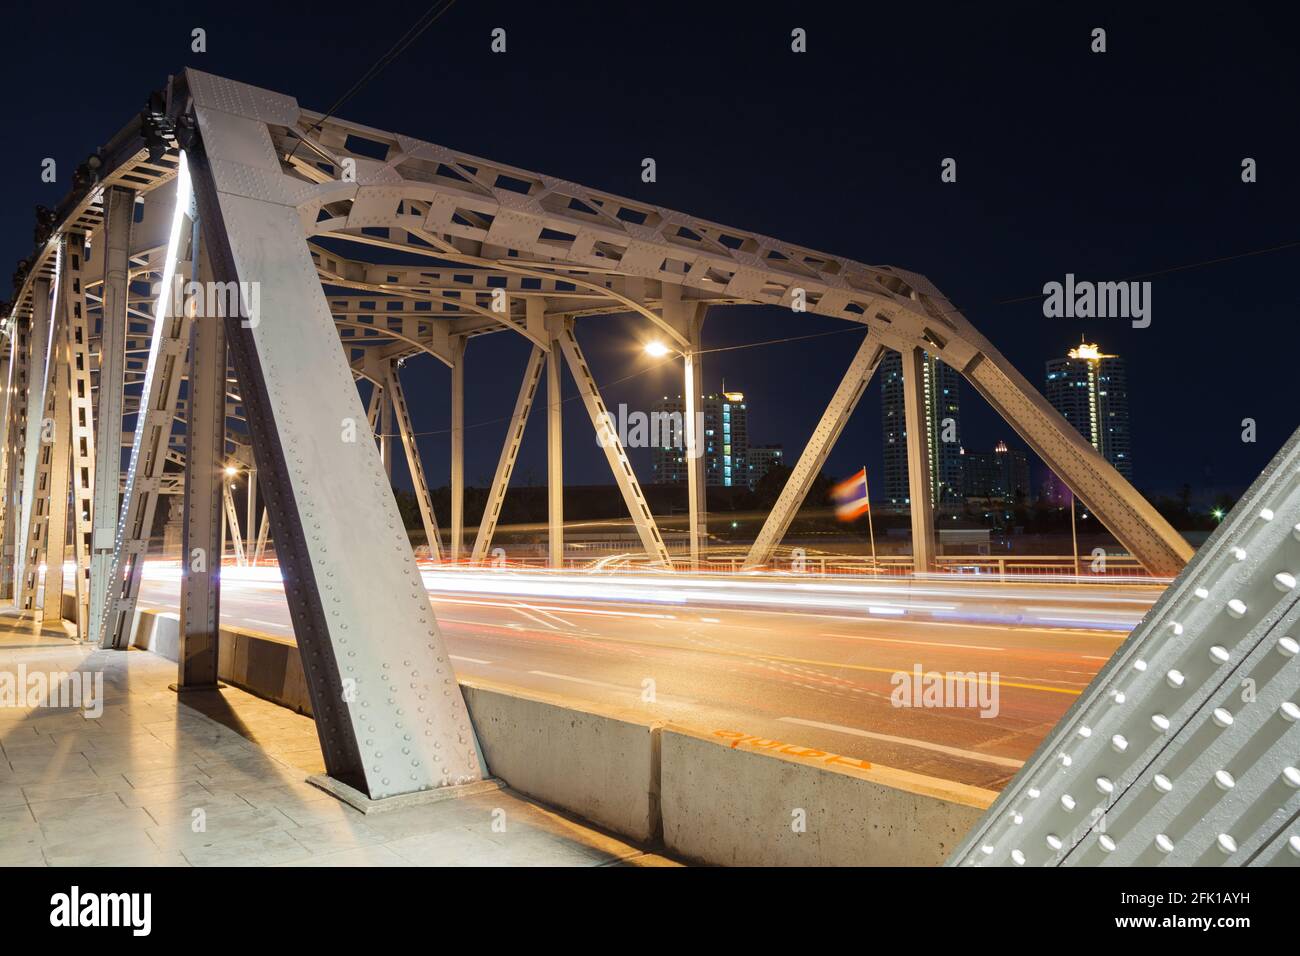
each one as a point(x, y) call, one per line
point(850, 497)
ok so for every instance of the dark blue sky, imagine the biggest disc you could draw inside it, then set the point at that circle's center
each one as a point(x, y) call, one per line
point(1108, 166)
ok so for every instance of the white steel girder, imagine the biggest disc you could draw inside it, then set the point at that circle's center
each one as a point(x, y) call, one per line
point(457, 483)
point(1183, 749)
point(615, 454)
point(16, 396)
point(119, 211)
point(232, 525)
point(838, 410)
point(388, 710)
point(38, 380)
point(81, 432)
point(414, 464)
point(164, 369)
point(509, 454)
point(206, 490)
point(919, 476)
point(554, 447)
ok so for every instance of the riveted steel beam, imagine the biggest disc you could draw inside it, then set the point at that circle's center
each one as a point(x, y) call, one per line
point(834, 418)
point(1183, 749)
point(388, 710)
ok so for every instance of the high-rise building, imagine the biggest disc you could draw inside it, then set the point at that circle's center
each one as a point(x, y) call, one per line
point(941, 390)
point(762, 459)
point(1001, 474)
point(1091, 390)
point(725, 438)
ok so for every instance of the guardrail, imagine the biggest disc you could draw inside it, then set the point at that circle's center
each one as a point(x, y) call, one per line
point(1116, 569)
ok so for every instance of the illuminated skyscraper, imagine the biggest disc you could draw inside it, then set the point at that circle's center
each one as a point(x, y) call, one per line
point(726, 442)
point(941, 386)
point(1002, 474)
point(1091, 390)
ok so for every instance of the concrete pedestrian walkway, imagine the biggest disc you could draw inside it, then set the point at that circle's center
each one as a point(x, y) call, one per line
point(143, 777)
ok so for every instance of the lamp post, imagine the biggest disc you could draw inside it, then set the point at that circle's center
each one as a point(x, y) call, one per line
point(696, 512)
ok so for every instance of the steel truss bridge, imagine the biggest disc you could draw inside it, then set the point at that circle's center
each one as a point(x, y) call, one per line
point(235, 187)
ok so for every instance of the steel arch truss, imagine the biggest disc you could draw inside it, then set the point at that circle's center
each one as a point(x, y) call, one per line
point(395, 247)
point(497, 234)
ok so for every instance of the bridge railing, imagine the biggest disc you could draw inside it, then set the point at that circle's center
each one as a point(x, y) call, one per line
point(1115, 569)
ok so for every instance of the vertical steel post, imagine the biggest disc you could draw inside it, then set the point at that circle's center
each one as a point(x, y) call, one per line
point(919, 481)
point(696, 491)
point(37, 367)
point(457, 446)
point(205, 492)
point(554, 450)
point(119, 212)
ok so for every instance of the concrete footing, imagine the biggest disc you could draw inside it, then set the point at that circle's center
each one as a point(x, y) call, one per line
point(359, 801)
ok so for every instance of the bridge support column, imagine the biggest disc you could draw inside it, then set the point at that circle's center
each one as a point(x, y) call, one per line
point(386, 433)
point(554, 450)
point(39, 337)
point(8, 370)
point(205, 492)
point(457, 446)
point(696, 492)
point(55, 535)
point(16, 380)
point(164, 369)
point(388, 711)
point(119, 212)
point(920, 485)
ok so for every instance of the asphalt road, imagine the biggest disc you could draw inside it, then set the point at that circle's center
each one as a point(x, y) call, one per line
point(810, 662)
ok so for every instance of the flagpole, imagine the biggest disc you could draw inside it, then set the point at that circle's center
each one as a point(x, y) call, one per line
point(1074, 536)
point(871, 525)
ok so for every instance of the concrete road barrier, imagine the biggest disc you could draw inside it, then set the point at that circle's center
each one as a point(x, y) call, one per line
point(599, 763)
point(737, 800)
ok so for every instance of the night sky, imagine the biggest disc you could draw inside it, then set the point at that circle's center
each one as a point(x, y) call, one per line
point(1110, 166)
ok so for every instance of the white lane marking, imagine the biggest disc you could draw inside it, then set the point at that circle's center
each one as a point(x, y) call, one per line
point(583, 680)
point(468, 660)
point(554, 617)
point(253, 620)
point(508, 626)
point(710, 620)
point(909, 742)
point(567, 610)
point(899, 640)
point(534, 618)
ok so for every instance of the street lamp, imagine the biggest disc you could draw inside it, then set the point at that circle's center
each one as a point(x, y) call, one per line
point(657, 349)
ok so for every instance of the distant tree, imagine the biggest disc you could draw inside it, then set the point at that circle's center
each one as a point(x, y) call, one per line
point(409, 508)
point(769, 487)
